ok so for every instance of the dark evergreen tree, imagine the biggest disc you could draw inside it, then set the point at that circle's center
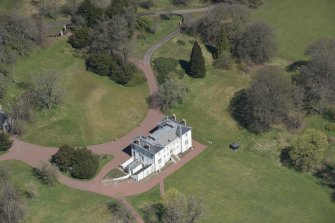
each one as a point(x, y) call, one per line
point(197, 62)
point(99, 63)
point(85, 164)
point(92, 14)
point(121, 71)
point(80, 38)
point(63, 158)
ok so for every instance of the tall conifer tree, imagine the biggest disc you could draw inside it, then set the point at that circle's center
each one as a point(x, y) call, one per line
point(197, 62)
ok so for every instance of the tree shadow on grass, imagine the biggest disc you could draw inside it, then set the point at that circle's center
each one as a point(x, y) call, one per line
point(185, 65)
point(285, 158)
point(212, 50)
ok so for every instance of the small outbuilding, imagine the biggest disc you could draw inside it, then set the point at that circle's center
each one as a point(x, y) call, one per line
point(234, 146)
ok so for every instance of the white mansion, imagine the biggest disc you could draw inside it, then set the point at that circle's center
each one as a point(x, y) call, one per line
point(150, 154)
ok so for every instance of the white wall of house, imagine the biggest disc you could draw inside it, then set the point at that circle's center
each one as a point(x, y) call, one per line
point(186, 140)
point(143, 174)
point(146, 160)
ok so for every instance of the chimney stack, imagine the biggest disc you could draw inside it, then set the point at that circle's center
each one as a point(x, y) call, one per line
point(183, 121)
point(174, 117)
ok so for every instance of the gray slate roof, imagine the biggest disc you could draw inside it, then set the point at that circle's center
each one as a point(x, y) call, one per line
point(167, 130)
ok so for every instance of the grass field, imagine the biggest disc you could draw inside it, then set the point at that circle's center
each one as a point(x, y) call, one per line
point(163, 27)
point(59, 203)
point(245, 186)
point(297, 23)
point(10, 4)
point(168, 5)
point(115, 173)
point(95, 109)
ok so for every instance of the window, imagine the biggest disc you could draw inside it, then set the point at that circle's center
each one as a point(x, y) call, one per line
point(186, 142)
point(159, 161)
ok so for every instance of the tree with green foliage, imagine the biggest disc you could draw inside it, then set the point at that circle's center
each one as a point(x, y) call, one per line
point(121, 71)
point(84, 164)
point(197, 62)
point(63, 159)
point(166, 68)
point(92, 14)
point(307, 152)
point(80, 38)
point(81, 162)
point(5, 141)
point(99, 63)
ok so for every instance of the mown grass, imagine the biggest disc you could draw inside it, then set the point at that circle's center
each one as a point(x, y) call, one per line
point(10, 4)
point(297, 23)
point(115, 173)
point(144, 40)
point(150, 197)
point(95, 109)
point(59, 203)
point(168, 5)
point(249, 185)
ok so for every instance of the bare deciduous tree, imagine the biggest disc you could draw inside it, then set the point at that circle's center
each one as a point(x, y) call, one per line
point(179, 208)
point(47, 173)
point(11, 206)
point(49, 90)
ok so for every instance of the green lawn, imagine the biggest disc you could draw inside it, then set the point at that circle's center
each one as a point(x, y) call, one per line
point(144, 39)
point(115, 173)
point(59, 203)
point(168, 5)
point(95, 109)
point(10, 4)
point(245, 186)
point(297, 23)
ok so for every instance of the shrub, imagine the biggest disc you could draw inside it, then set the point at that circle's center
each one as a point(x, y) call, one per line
point(307, 152)
point(121, 71)
point(137, 79)
point(330, 126)
point(81, 163)
point(165, 67)
point(63, 159)
point(80, 38)
point(143, 23)
point(47, 173)
point(120, 212)
point(31, 191)
point(329, 113)
point(85, 164)
point(99, 63)
point(5, 141)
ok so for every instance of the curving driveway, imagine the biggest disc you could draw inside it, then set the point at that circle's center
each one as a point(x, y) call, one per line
point(34, 154)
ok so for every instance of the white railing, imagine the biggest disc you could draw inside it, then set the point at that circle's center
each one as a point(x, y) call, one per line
point(125, 164)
